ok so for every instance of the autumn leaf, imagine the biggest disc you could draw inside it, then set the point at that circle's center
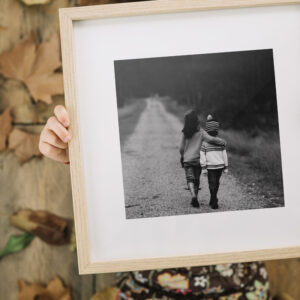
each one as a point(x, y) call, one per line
point(47, 226)
point(16, 243)
point(35, 66)
point(5, 128)
point(107, 294)
point(72, 246)
point(92, 2)
point(24, 144)
point(35, 2)
point(55, 290)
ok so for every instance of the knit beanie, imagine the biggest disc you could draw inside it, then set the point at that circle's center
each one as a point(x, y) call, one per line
point(211, 124)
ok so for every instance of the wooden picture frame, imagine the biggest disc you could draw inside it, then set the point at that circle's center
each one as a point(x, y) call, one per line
point(67, 18)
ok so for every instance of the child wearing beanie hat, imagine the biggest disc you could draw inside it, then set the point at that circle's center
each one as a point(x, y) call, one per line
point(212, 126)
point(214, 160)
point(190, 145)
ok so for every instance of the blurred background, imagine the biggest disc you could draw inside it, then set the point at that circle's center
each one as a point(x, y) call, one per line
point(36, 246)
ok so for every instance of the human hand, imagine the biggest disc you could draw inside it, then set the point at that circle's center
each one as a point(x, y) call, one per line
point(225, 171)
point(220, 141)
point(55, 136)
point(204, 172)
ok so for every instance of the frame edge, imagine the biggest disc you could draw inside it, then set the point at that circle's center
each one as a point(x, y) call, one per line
point(66, 17)
point(163, 6)
point(76, 168)
point(190, 261)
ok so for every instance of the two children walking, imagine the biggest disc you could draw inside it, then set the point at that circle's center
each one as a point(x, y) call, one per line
point(202, 150)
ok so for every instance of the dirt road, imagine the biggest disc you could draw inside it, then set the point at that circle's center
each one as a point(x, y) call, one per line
point(154, 181)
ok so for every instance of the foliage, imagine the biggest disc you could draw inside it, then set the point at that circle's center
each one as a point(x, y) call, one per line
point(5, 128)
point(263, 151)
point(128, 117)
point(236, 87)
point(35, 66)
point(107, 294)
point(55, 290)
point(16, 243)
point(24, 144)
point(47, 226)
point(35, 2)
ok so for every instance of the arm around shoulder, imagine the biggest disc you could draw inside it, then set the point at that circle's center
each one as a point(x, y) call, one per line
point(212, 140)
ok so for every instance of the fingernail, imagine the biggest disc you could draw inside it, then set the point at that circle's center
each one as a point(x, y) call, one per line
point(67, 163)
point(67, 138)
point(66, 124)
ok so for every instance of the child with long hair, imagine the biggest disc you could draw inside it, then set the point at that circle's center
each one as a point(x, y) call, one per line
point(214, 161)
point(190, 145)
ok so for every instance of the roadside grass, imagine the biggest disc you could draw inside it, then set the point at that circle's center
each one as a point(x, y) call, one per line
point(262, 151)
point(174, 108)
point(128, 117)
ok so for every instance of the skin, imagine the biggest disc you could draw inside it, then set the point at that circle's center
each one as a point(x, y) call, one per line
point(55, 136)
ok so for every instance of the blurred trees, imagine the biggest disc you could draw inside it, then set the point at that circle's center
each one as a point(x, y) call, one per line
point(237, 87)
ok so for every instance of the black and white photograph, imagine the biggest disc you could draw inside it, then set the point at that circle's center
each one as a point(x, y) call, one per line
point(199, 133)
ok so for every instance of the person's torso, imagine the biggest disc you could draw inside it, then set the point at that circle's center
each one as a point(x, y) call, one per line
point(192, 147)
point(214, 155)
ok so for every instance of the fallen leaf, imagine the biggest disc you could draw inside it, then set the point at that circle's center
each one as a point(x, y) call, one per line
point(24, 144)
point(55, 290)
point(5, 128)
point(30, 291)
point(107, 294)
point(16, 243)
point(35, 66)
point(35, 2)
point(72, 246)
point(47, 226)
point(92, 2)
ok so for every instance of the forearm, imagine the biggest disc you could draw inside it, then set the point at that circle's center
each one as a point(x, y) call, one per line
point(203, 161)
point(212, 140)
point(225, 156)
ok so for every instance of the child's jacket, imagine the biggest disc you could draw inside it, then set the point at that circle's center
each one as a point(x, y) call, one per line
point(190, 148)
point(213, 156)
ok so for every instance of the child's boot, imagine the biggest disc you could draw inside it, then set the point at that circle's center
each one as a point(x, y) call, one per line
point(211, 197)
point(194, 201)
point(214, 202)
point(197, 184)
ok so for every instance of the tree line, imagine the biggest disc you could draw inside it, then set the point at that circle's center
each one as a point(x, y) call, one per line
point(238, 88)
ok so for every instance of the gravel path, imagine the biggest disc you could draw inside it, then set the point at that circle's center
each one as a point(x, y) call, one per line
point(154, 181)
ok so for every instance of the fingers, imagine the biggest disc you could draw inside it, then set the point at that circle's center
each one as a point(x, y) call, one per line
point(54, 153)
point(58, 129)
point(51, 138)
point(55, 136)
point(62, 115)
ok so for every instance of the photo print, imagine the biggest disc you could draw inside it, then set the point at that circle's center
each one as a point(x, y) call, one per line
point(199, 133)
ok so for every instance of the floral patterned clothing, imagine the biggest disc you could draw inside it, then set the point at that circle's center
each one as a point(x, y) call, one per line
point(243, 281)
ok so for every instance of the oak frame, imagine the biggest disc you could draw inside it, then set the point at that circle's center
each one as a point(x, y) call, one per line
point(67, 16)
